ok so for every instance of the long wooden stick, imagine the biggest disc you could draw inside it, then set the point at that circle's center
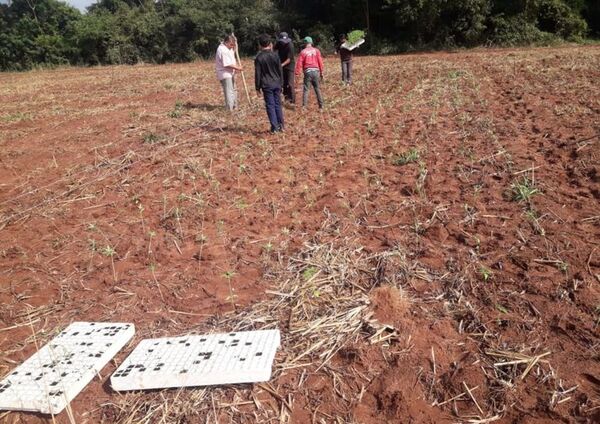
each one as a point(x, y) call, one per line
point(237, 57)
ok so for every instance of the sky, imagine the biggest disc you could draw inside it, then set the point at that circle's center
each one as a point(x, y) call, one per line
point(80, 4)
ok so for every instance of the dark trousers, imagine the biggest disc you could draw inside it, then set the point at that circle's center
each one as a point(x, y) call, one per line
point(272, 96)
point(288, 85)
point(312, 78)
point(347, 71)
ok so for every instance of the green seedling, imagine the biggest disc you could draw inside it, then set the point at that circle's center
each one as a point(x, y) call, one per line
point(108, 251)
point(410, 156)
point(485, 273)
point(309, 273)
point(177, 111)
point(151, 138)
point(523, 190)
point(201, 238)
point(268, 248)
point(502, 309)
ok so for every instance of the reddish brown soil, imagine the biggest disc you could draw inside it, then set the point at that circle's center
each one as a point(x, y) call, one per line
point(144, 161)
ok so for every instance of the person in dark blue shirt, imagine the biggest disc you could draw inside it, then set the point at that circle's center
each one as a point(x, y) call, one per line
point(268, 77)
point(285, 48)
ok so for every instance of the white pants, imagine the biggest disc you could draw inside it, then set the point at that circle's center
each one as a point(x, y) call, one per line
point(230, 93)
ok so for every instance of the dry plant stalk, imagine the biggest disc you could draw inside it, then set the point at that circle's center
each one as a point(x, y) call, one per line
point(320, 305)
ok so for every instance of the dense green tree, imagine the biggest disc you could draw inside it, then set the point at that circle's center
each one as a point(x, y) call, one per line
point(36, 32)
point(50, 32)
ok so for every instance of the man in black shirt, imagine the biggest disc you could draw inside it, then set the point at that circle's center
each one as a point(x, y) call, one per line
point(346, 59)
point(285, 49)
point(268, 79)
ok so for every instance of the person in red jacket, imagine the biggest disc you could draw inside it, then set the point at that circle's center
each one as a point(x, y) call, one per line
point(310, 63)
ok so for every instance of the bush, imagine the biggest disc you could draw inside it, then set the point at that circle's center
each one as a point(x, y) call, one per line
point(516, 31)
point(556, 17)
point(323, 37)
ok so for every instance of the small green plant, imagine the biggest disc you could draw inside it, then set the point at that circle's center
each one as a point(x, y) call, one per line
point(151, 138)
point(309, 273)
point(240, 204)
point(108, 251)
point(355, 36)
point(410, 156)
point(268, 248)
point(485, 273)
point(523, 190)
point(201, 238)
point(177, 111)
point(563, 266)
point(502, 309)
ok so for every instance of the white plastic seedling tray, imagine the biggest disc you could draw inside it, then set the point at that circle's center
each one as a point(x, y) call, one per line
point(212, 359)
point(53, 376)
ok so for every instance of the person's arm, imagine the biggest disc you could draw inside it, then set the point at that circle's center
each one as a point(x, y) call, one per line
point(257, 76)
point(320, 61)
point(280, 71)
point(299, 64)
point(290, 55)
point(230, 63)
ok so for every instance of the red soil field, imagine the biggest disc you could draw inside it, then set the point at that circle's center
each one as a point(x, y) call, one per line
point(452, 197)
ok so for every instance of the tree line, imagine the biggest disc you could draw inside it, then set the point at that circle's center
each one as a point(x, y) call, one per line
point(50, 32)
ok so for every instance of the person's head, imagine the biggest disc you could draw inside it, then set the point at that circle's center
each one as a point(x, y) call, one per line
point(264, 41)
point(343, 38)
point(229, 41)
point(284, 38)
point(308, 41)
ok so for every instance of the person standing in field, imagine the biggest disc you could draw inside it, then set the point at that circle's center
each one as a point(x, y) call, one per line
point(310, 63)
point(285, 49)
point(268, 78)
point(226, 66)
point(346, 59)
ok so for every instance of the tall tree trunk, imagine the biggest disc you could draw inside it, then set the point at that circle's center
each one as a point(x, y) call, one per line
point(367, 16)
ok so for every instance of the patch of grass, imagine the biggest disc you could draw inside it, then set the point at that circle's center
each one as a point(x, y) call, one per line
point(309, 273)
point(108, 251)
point(151, 138)
point(407, 157)
point(177, 110)
point(523, 190)
point(15, 117)
point(485, 273)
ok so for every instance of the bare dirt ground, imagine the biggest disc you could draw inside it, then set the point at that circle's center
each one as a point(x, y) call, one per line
point(429, 246)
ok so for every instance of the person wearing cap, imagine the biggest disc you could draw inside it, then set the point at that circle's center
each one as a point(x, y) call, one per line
point(268, 79)
point(285, 48)
point(310, 63)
